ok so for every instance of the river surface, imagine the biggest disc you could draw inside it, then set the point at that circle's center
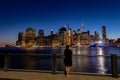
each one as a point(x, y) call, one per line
point(85, 59)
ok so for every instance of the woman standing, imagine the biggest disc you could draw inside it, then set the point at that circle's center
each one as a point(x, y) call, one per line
point(67, 60)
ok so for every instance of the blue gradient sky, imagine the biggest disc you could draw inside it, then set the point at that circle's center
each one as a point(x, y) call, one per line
point(17, 15)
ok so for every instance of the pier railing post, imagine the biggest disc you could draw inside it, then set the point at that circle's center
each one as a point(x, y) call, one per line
point(53, 63)
point(114, 65)
point(6, 61)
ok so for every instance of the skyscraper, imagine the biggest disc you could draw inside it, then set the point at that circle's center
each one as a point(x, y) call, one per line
point(69, 36)
point(30, 37)
point(21, 39)
point(62, 36)
point(104, 33)
point(96, 36)
point(40, 38)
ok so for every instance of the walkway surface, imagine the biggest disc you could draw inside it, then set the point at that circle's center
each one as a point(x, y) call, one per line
point(16, 75)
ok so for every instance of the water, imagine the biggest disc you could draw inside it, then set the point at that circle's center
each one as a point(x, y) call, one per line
point(81, 61)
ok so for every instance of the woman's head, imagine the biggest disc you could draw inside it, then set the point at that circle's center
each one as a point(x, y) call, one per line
point(67, 47)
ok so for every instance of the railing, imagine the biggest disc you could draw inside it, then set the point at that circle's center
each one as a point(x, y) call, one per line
point(114, 62)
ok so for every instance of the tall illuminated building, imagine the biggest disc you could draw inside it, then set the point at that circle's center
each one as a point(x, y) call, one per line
point(74, 38)
point(104, 33)
point(85, 38)
point(82, 28)
point(69, 36)
point(62, 36)
point(30, 37)
point(21, 39)
point(40, 38)
point(96, 36)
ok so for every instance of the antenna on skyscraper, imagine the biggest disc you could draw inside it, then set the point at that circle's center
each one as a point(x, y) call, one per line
point(82, 27)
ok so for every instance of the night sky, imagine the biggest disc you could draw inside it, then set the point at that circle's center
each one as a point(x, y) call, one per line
point(17, 15)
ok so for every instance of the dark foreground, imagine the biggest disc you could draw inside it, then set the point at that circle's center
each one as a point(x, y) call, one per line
point(13, 75)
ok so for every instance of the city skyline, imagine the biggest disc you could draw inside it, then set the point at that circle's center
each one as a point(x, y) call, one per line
point(64, 36)
point(16, 16)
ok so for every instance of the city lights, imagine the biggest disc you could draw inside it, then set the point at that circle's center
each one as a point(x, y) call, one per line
point(63, 37)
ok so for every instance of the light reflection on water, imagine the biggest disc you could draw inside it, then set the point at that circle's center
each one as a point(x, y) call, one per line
point(100, 51)
point(101, 65)
point(101, 62)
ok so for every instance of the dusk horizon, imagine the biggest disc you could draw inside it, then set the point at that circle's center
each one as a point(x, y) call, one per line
point(18, 15)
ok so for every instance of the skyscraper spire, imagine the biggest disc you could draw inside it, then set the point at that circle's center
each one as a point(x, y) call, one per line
point(82, 27)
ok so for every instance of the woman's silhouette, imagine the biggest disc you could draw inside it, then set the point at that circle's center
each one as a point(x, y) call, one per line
point(67, 60)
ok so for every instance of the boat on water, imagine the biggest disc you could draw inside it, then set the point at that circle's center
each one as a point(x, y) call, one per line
point(97, 44)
